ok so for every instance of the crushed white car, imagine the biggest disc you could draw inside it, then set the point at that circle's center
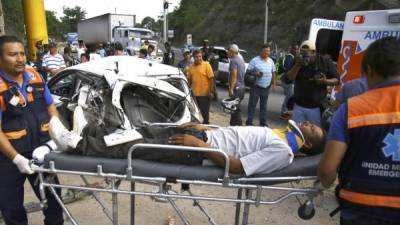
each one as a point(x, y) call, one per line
point(125, 92)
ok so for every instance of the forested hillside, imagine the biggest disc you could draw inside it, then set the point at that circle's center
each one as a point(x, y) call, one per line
point(242, 22)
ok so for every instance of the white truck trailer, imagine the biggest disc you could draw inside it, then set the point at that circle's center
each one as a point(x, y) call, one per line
point(105, 28)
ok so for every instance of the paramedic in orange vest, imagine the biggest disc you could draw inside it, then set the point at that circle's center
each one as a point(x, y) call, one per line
point(25, 110)
point(364, 143)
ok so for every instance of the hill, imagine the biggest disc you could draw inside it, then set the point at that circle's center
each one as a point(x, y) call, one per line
point(242, 22)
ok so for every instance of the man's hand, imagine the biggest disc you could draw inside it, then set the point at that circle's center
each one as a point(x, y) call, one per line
point(258, 74)
point(299, 60)
point(185, 140)
point(196, 126)
point(23, 164)
point(322, 80)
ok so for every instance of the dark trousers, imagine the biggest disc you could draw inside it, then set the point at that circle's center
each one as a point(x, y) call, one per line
point(93, 145)
point(236, 118)
point(12, 196)
point(349, 219)
point(204, 105)
point(257, 92)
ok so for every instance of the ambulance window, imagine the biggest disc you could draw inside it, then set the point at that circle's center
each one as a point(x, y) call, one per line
point(328, 43)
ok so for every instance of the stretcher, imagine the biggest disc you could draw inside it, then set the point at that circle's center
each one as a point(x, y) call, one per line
point(249, 189)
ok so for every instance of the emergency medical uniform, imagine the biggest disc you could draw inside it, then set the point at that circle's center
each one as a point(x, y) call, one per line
point(24, 121)
point(369, 176)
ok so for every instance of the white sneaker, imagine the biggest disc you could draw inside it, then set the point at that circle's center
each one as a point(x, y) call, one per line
point(79, 121)
point(56, 129)
point(71, 139)
point(63, 138)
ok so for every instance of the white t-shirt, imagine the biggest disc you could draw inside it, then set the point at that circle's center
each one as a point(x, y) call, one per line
point(80, 52)
point(94, 56)
point(259, 149)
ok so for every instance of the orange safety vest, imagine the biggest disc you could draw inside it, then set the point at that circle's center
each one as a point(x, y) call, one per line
point(370, 171)
point(25, 122)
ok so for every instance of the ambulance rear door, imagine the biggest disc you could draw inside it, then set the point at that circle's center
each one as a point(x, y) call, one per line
point(361, 28)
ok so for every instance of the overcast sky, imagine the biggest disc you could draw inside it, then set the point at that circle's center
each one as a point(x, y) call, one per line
point(140, 8)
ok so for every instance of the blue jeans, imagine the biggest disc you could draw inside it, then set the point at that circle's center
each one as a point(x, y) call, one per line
point(301, 114)
point(236, 118)
point(257, 92)
point(288, 92)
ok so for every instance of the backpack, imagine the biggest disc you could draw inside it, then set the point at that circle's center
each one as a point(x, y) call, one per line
point(280, 67)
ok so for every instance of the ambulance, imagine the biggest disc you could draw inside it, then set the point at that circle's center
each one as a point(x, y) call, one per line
point(361, 28)
point(345, 42)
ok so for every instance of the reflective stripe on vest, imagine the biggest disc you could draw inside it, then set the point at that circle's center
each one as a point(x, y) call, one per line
point(14, 135)
point(368, 199)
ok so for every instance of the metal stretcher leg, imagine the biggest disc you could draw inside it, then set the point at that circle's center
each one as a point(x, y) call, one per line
point(66, 211)
point(105, 210)
point(132, 204)
point(238, 205)
point(179, 212)
point(114, 204)
point(246, 209)
point(197, 203)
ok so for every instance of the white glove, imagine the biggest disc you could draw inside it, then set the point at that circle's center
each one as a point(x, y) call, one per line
point(39, 153)
point(23, 164)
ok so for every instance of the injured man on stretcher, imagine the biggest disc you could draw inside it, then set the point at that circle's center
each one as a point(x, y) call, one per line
point(251, 149)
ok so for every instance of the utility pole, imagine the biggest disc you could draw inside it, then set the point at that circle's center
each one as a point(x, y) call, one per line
point(2, 27)
point(266, 22)
point(165, 28)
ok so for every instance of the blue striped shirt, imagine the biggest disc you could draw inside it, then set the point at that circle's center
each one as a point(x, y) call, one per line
point(53, 61)
point(266, 67)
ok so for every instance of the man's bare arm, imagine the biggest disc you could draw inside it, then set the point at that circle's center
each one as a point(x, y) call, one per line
point(52, 110)
point(232, 81)
point(329, 164)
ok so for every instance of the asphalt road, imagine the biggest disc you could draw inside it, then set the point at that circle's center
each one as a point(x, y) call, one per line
point(273, 106)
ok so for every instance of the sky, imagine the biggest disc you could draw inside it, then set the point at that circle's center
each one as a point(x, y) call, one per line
point(140, 8)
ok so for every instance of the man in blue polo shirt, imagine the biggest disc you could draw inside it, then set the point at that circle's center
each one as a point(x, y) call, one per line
point(265, 69)
point(26, 107)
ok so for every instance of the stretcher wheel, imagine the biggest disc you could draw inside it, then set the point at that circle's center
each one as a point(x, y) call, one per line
point(306, 211)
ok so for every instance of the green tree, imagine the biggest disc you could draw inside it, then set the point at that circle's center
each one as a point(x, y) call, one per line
point(148, 22)
point(55, 27)
point(72, 16)
point(14, 18)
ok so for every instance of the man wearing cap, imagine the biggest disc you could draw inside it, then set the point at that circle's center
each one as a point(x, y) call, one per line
point(264, 67)
point(236, 87)
point(312, 74)
point(186, 61)
point(53, 62)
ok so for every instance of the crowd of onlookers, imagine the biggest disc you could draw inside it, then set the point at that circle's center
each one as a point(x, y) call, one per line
point(49, 60)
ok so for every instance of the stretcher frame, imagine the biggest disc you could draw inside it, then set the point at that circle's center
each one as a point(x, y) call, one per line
point(248, 185)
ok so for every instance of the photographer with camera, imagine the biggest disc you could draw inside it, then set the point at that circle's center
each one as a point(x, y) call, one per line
point(312, 74)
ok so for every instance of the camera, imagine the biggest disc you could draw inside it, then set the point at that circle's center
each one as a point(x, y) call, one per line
point(306, 59)
point(318, 76)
